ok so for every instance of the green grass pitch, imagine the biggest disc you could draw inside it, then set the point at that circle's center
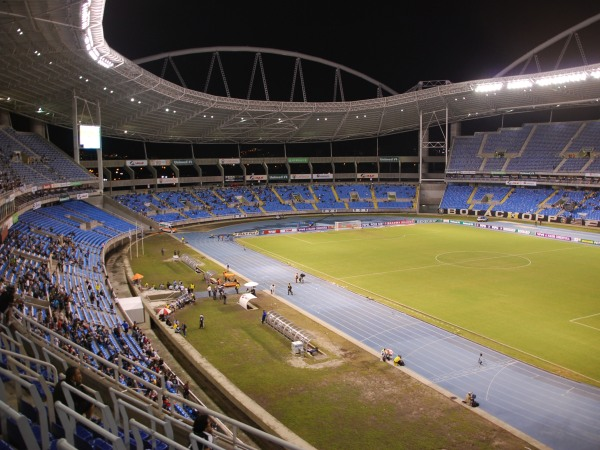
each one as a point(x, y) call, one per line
point(532, 298)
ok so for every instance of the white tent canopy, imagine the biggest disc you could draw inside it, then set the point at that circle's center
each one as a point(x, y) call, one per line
point(134, 308)
point(244, 300)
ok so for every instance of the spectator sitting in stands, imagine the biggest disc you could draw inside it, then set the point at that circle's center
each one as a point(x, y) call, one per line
point(74, 378)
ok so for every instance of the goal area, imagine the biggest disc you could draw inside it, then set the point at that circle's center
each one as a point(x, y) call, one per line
point(348, 225)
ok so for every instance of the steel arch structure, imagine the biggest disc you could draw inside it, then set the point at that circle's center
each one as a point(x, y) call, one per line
point(55, 55)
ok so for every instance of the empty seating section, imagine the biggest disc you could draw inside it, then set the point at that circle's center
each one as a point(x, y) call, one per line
point(507, 141)
point(532, 152)
point(488, 193)
point(242, 197)
point(570, 203)
point(494, 164)
point(574, 164)
point(139, 203)
point(456, 196)
point(526, 200)
point(236, 195)
point(563, 200)
point(60, 166)
point(214, 204)
point(270, 202)
point(566, 147)
point(353, 192)
point(218, 202)
point(543, 152)
point(326, 198)
point(298, 195)
point(589, 207)
point(464, 155)
point(587, 139)
point(583, 152)
point(34, 160)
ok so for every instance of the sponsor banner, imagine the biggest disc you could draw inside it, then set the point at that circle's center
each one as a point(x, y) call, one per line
point(83, 195)
point(393, 223)
point(160, 162)
point(372, 224)
point(554, 236)
point(256, 177)
point(368, 175)
point(136, 163)
point(229, 160)
point(300, 176)
point(64, 198)
point(234, 178)
point(589, 241)
point(521, 183)
point(246, 233)
point(37, 205)
point(297, 160)
point(360, 210)
point(280, 231)
point(167, 180)
point(279, 177)
point(306, 229)
point(389, 159)
point(60, 185)
point(322, 176)
point(183, 162)
point(517, 216)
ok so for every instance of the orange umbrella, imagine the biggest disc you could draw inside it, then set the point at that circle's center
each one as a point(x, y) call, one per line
point(137, 276)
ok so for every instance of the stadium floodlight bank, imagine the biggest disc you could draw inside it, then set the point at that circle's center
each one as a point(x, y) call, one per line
point(348, 225)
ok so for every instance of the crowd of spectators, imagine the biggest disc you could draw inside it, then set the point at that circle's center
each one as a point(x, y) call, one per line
point(61, 283)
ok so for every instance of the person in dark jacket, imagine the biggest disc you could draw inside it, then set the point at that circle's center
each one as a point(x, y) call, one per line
point(74, 378)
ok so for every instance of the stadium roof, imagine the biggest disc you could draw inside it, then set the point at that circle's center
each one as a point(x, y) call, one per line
point(58, 68)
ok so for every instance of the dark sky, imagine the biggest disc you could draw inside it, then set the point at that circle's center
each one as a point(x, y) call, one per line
point(397, 43)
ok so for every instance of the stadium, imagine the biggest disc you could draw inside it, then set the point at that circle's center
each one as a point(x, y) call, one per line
point(160, 183)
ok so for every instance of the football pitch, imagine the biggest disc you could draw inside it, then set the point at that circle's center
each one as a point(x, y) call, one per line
point(534, 299)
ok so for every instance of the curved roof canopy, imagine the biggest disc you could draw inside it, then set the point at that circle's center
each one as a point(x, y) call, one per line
point(57, 66)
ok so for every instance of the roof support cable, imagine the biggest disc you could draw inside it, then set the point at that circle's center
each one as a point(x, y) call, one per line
point(177, 72)
point(302, 81)
point(210, 69)
point(294, 77)
point(264, 77)
point(223, 75)
point(164, 67)
point(580, 46)
point(251, 84)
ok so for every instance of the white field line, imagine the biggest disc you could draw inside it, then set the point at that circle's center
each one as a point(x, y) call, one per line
point(577, 319)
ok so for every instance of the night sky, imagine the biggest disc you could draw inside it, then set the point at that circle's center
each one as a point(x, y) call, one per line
point(396, 43)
